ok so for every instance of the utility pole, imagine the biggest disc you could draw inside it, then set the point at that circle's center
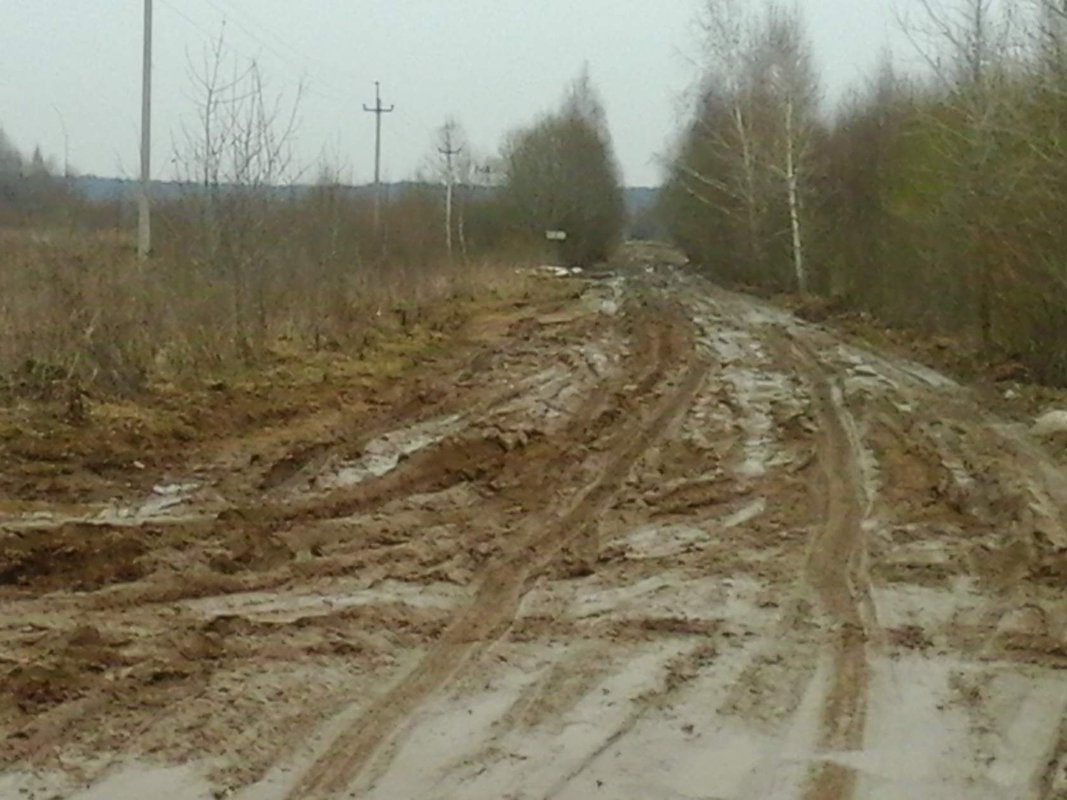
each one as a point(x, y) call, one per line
point(144, 221)
point(448, 151)
point(378, 110)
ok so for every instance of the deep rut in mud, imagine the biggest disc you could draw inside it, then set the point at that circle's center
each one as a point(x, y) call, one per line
point(660, 541)
point(837, 568)
point(528, 552)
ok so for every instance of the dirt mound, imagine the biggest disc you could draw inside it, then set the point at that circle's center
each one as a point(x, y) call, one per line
point(72, 557)
point(64, 668)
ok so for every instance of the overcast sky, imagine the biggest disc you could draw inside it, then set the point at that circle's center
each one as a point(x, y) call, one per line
point(493, 64)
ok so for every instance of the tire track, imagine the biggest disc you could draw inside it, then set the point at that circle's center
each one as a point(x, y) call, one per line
point(836, 561)
point(506, 580)
point(259, 517)
point(837, 570)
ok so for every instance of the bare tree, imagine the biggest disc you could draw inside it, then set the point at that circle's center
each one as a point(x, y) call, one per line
point(238, 155)
point(969, 47)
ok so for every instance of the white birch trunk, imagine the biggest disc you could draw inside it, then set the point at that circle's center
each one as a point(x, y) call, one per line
point(750, 183)
point(793, 184)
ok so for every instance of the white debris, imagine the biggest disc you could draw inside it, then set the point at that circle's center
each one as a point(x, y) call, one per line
point(557, 272)
point(174, 489)
point(1051, 424)
point(865, 371)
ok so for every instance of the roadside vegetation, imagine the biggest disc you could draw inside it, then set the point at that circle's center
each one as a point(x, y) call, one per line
point(562, 176)
point(260, 258)
point(934, 203)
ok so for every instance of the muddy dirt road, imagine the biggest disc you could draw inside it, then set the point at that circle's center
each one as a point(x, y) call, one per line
point(663, 542)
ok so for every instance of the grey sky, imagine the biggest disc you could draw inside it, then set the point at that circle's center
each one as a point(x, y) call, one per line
point(493, 64)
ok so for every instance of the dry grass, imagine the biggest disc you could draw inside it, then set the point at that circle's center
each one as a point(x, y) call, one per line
point(78, 312)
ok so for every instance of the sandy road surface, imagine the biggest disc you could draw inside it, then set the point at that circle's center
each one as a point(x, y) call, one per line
point(665, 543)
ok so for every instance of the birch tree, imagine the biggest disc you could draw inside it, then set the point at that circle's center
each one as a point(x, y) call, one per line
point(786, 84)
point(747, 156)
point(728, 37)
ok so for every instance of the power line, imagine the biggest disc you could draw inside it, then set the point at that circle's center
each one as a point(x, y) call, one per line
point(265, 45)
point(297, 60)
point(212, 36)
point(303, 58)
point(188, 19)
point(332, 92)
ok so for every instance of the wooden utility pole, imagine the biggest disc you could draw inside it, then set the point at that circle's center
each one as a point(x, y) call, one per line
point(144, 216)
point(378, 110)
point(448, 151)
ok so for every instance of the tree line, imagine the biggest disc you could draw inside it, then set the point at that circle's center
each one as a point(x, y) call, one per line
point(31, 187)
point(936, 202)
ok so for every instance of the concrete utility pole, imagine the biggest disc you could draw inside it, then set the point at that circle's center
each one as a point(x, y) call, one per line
point(448, 151)
point(144, 221)
point(378, 110)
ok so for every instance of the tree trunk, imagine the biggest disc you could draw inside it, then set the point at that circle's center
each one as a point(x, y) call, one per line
point(751, 202)
point(793, 183)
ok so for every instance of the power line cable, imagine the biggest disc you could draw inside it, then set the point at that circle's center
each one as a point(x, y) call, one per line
point(339, 91)
point(212, 36)
point(303, 58)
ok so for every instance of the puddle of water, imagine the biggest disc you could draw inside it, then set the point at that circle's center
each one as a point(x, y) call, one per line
point(903, 604)
point(168, 503)
point(746, 514)
point(138, 781)
point(865, 363)
point(280, 607)
point(662, 541)
point(466, 747)
point(165, 499)
point(756, 389)
point(612, 304)
point(382, 455)
point(926, 739)
point(131, 781)
point(669, 595)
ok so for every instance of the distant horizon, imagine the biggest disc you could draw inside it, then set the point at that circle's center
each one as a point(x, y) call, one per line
point(135, 182)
